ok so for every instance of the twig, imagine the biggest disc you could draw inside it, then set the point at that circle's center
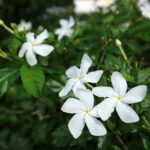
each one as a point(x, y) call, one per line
point(101, 57)
point(121, 142)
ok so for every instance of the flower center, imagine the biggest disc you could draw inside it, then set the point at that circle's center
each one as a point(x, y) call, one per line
point(119, 98)
point(109, 1)
point(87, 112)
point(80, 77)
point(33, 45)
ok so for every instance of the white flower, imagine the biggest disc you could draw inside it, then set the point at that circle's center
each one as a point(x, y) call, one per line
point(84, 114)
point(23, 25)
point(79, 76)
point(34, 46)
point(144, 7)
point(85, 6)
point(104, 3)
point(66, 28)
point(118, 98)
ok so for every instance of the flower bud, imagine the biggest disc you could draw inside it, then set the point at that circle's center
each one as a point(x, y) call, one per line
point(1, 22)
point(118, 42)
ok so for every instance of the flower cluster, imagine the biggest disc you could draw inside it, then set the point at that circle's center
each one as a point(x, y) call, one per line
point(34, 46)
point(91, 6)
point(83, 105)
point(144, 7)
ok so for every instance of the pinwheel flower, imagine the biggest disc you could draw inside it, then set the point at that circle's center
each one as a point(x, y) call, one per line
point(144, 6)
point(104, 3)
point(34, 46)
point(66, 28)
point(85, 6)
point(84, 114)
point(119, 98)
point(23, 25)
point(79, 76)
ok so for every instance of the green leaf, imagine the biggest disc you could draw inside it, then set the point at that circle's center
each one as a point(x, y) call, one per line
point(3, 87)
point(5, 75)
point(33, 79)
point(104, 142)
point(144, 75)
point(146, 142)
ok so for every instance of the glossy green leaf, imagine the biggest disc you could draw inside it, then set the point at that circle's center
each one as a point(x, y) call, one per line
point(33, 79)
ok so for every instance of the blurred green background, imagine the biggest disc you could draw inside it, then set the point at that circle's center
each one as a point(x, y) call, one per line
point(29, 123)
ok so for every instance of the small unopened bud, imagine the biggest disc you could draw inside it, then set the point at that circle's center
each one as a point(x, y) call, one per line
point(1, 22)
point(118, 42)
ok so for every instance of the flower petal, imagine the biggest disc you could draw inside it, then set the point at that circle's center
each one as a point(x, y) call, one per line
point(86, 96)
point(64, 22)
point(73, 72)
point(95, 127)
point(93, 77)
point(23, 49)
point(31, 57)
point(94, 112)
point(71, 22)
point(78, 85)
point(67, 87)
point(104, 91)
point(106, 107)
point(86, 63)
point(135, 95)
point(43, 49)
point(72, 106)
point(30, 37)
point(76, 125)
point(119, 83)
point(126, 113)
point(41, 37)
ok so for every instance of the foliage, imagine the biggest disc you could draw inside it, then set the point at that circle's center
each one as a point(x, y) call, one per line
point(30, 115)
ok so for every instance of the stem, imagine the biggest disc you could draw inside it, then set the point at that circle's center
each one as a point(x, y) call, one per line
point(6, 27)
point(144, 118)
point(124, 55)
point(121, 142)
point(101, 57)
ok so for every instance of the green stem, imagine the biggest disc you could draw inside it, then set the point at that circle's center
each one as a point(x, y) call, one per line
point(124, 55)
point(89, 85)
point(6, 27)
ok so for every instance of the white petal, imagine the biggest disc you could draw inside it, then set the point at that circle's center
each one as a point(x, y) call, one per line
point(72, 72)
point(94, 112)
point(43, 49)
point(126, 113)
point(86, 96)
point(76, 125)
point(78, 85)
point(72, 106)
point(41, 37)
point(106, 107)
point(95, 127)
point(119, 83)
point(31, 57)
point(23, 49)
point(67, 87)
point(60, 32)
point(68, 32)
point(135, 95)
point(30, 37)
point(64, 22)
point(104, 91)
point(71, 22)
point(86, 63)
point(93, 77)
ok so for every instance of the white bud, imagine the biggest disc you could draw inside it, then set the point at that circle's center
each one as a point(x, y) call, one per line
point(118, 42)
